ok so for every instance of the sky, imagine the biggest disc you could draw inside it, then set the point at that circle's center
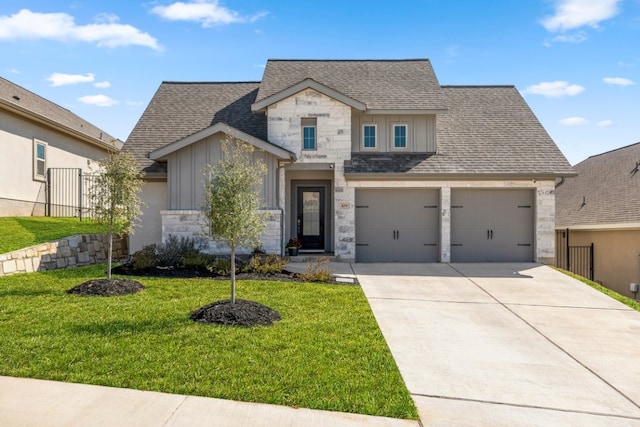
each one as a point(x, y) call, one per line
point(576, 62)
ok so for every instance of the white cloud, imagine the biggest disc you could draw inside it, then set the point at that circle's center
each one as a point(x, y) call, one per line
point(98, 100)
point(104, 84)
point(578, 37)
point(619, 81)
point(572, 14)
point(14, 71)
point(61, 79)
point(206, 12)
point(105, 32)
point(574, 121)
point(556, 89)
point(605, 123)
point(134, 103)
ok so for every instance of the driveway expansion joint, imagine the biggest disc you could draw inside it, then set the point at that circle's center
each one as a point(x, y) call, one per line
point(552, 342)
point(519, 405)
point(175, 410)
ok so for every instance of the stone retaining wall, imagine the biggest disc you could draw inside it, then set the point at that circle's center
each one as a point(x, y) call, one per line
point(70, 251)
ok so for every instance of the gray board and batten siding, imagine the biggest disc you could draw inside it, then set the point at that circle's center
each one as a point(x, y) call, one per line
point(186, 181)
point(397, 225)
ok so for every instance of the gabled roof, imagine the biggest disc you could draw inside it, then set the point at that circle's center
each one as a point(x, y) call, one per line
point(605, 194)
point(179, 109)
point(378, 84)
point(20, 101)
point(220, 127)
point(488, 131)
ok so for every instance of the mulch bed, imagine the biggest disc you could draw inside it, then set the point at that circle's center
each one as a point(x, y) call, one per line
point(107, 287)
point(242, 313)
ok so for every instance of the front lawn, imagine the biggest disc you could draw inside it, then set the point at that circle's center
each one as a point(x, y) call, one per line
point(327, 352)
point(21, 232)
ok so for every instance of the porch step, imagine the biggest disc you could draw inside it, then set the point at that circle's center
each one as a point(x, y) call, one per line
point(311, 257)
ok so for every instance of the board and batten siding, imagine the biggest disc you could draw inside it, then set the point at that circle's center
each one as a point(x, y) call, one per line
point(421, 132)
point(186, 174)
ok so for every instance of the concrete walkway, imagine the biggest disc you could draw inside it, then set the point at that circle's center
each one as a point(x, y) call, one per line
point(507, 344)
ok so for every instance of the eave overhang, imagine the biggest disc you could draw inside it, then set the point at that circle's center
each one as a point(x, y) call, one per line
point(163, 152)
point(262, 105)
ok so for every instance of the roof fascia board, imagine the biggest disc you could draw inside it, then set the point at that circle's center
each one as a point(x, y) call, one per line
point(408, 176)
point(163, 152)
point(307, 84)
point(23, 112)
point(601, 227)
point(406, 112)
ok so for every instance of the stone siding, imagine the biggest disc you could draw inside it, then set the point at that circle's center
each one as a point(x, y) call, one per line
point(73, 251)
point(333, 147)
point(192, 224)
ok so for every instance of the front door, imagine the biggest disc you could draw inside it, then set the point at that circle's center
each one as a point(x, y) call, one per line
point(310, 217)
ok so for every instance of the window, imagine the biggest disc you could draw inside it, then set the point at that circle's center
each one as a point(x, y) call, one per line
point(309, 134)
point(39, 160)
point(369, 136)
point(400, 136)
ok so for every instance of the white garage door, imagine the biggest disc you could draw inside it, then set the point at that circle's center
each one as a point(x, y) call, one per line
point(397, 225)
point(492, 225)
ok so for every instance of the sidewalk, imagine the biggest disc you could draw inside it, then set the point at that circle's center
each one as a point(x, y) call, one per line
point(28, 402)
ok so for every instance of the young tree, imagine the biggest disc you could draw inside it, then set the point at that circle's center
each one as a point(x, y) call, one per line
point(232, 199)
point(115, 199)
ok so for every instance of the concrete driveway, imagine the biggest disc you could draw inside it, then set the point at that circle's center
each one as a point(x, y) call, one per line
point(507, 344)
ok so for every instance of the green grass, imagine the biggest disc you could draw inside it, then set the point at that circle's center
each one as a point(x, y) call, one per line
point(613, 294)
point(21, 232)
point(327, 352)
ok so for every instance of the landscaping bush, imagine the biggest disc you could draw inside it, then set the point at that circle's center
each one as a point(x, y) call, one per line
point(317, 271)
point(271, 264)
point(197, 260)
point(174, 250)
point(145, 258)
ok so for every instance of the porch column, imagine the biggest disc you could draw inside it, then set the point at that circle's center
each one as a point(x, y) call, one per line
point(282, 204)
point(445, 224)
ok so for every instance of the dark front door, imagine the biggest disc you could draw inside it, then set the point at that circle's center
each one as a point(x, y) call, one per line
point(310, 218)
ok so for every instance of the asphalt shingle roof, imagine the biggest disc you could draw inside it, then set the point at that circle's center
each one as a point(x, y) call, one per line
point(379, 84)
point(16, 96)
point(488, 130)
point(606, 190)
point(179, 109)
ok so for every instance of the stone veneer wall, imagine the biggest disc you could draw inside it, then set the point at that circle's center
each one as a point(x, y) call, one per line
point(333, 148)
point(190, 223)
point(70, 251)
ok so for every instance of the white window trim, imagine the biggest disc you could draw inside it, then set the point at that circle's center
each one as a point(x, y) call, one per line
point(315, 127)
point(36, 175)
point(375, 147)
point(392, 140)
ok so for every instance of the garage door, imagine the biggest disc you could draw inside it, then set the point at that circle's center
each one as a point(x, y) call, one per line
point(492, 225)
point(397, 225)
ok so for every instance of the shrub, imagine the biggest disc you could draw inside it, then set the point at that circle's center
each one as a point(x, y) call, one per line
point(221, 267)
point(271, 264)
point(174, 250)
point(198, 259)
point(145, 258)
point(317, 271)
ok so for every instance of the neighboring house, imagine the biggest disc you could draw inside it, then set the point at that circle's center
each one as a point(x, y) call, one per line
point(37, 137)
point(371, 160)
point(602, 206)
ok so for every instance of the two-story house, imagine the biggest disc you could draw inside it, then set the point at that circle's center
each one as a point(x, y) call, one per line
point(371, 160)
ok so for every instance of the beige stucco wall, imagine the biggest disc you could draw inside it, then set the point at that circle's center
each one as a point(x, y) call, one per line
point(616, 254)
point(149, 228)
point(19, 191)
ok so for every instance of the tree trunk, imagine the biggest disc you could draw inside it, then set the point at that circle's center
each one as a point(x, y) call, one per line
point(109, 255)
point(233, 275)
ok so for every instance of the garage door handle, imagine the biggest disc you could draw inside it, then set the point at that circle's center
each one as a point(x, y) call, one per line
point(491, 234)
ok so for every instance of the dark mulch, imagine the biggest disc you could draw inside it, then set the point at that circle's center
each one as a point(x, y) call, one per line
point(107, 287)
point(242, 313)
point(197, 272)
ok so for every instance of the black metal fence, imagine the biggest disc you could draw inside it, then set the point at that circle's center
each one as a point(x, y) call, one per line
point(576, 259)
point(69, 193)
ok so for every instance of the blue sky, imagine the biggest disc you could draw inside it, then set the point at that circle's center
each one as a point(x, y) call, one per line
point(576, 62)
